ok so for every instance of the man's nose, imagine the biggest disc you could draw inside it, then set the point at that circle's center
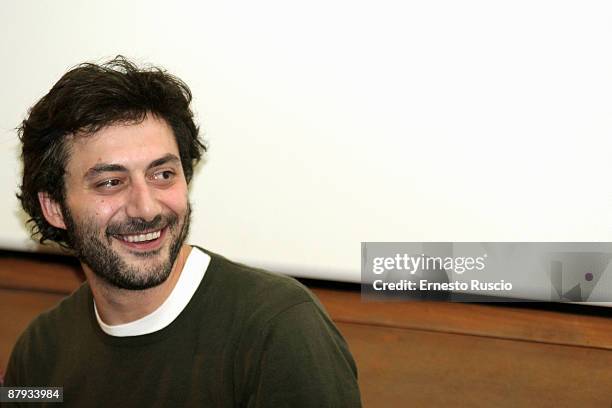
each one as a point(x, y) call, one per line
point(142, 202)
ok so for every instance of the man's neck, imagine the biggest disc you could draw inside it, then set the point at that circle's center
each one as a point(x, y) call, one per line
point(119, 306)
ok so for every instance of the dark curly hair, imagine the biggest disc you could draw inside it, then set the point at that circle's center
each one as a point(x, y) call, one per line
point(86, 99)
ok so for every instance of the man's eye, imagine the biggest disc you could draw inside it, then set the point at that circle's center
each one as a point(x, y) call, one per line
point(165, 175)
point(109, 183)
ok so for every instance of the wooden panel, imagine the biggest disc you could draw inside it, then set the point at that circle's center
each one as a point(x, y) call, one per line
point(63, 275)
point(45, 273)
point(420, 354)
point(413, 368)
point(474, 319)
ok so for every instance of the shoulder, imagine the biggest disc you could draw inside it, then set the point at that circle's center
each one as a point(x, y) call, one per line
point(289, 352)
point(257, 301)
point(260, 291)
point(64, 312)
point(41, 340)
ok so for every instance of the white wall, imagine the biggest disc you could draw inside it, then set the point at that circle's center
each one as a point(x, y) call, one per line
point(335, 122)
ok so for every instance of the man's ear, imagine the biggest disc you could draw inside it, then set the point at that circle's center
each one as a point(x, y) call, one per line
point(51, 210)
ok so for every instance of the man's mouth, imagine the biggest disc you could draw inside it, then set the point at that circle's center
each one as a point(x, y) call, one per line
point(141, 237)
point(145, 241)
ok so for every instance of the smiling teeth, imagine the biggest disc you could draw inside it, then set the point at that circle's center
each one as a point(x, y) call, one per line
point(142, 237)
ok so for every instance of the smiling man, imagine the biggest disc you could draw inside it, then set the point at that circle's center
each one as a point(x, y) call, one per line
point(108, 155)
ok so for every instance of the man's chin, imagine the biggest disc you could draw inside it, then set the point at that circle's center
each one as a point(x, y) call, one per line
point(138, 256)
point(137, 272)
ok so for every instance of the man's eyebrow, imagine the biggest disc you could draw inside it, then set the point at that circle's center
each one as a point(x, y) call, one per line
point(169, 158)
point(108, 167)
point(103, 168)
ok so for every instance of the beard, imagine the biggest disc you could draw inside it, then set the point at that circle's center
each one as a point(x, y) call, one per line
point(94, 248)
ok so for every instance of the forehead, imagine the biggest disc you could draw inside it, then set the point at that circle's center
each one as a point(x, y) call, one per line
point(130, 145)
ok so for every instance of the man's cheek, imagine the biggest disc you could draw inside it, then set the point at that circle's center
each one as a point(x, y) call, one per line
point(177, 206)
point(105, 209)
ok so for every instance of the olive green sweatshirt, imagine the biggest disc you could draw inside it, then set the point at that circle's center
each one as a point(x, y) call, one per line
point(247, 338)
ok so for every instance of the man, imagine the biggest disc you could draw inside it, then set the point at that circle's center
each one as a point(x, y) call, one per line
point(108, 155)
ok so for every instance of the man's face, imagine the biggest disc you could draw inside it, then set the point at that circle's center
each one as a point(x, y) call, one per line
point(126, 209)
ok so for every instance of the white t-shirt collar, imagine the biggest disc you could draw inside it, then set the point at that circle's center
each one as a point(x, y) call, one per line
point(193, 272)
